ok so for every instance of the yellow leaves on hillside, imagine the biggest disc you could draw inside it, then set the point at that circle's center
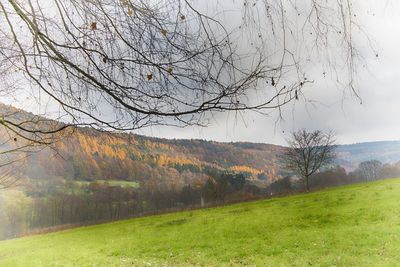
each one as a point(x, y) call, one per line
point(165, 147)
point(91, 145)
point(104, 145)
point(165, 160)
point(245, 169)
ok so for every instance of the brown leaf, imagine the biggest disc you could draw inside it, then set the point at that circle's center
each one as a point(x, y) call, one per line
point(170, 70)
point(149, 77)
point(164, 32)
point(93, 26)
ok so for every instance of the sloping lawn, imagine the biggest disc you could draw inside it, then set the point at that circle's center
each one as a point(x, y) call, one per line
point(355, 225)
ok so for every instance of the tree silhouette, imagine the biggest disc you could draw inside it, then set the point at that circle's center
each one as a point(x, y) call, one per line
point(308, 152)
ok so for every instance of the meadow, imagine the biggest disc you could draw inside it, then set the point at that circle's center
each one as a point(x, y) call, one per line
point(357, 225)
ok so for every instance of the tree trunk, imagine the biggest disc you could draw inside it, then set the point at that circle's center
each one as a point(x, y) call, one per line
point(307, 184)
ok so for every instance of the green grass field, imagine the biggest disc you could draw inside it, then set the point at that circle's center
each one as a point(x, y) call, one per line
point(355, 225)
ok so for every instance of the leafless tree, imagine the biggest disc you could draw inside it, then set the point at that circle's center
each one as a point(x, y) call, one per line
point(370, 170)
point(308, 152)
point(124, 65)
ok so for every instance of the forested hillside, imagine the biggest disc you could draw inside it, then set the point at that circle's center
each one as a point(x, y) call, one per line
point(88, 155)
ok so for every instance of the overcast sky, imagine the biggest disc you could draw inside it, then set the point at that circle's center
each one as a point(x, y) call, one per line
point(329, 107)
point(377, 118)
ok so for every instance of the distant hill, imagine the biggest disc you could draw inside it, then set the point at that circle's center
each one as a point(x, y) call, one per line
point(349, 156)
point(90, 155)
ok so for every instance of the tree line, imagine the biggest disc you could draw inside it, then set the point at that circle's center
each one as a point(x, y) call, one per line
point(67, 203)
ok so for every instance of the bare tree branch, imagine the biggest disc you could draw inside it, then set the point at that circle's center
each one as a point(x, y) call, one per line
point(124, 65)
point(308, 152)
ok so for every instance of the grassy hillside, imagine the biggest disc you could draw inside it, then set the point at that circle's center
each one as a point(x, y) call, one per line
point(355, 225)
